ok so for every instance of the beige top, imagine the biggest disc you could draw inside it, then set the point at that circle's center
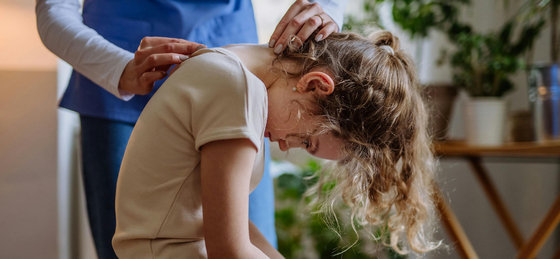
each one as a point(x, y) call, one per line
point(212, 96)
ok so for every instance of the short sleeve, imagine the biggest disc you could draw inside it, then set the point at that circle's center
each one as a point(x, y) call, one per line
point(225, 100)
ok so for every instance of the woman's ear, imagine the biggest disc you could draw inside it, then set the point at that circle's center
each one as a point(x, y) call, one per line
point(317, 82)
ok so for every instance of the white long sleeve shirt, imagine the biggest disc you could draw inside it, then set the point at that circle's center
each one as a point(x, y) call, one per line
point(63, 32)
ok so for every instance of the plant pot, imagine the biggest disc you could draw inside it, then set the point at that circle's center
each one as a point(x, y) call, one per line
point(440, 103)
point(484, 121)
point(544, 96)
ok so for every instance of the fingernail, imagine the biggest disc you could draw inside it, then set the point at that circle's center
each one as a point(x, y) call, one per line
point(271, 43)
point(199, 47)
point(183, 57)
point(319, 37)
point(278, 49)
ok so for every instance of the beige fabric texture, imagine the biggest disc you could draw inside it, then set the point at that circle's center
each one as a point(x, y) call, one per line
point(212, 96)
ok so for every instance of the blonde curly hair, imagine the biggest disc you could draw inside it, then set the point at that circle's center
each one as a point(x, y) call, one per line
point(377, 109)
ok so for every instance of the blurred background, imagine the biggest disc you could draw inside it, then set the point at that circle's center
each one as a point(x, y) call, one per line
point(42, 213)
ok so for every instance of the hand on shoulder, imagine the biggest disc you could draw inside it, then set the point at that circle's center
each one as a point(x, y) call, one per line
point(152, 60)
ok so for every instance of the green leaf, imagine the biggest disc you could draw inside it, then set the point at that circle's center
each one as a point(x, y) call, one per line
point(505, 33)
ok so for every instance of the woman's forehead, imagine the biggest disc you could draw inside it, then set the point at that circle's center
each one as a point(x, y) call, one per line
point(328, 146)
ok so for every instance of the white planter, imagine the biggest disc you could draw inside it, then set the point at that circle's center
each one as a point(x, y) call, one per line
point(484, 121)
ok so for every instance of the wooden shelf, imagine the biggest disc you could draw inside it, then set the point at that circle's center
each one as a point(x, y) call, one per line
point(528, 249)
point(520, 149)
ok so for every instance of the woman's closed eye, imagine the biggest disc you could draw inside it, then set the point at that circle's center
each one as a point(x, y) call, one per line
point(306, 143)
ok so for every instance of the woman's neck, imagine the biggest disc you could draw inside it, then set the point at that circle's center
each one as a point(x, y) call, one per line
point(258, 59)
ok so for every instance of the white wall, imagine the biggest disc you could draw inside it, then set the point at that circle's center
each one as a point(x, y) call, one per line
point(28, 183)
point(28, 205)
point(20, 45)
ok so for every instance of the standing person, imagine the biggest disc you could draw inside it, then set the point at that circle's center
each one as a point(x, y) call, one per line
point(113, 78)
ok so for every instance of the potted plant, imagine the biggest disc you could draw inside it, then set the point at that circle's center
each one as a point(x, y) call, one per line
point(482, 64)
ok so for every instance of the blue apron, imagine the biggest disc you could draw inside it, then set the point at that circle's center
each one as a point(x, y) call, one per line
point(125, 22)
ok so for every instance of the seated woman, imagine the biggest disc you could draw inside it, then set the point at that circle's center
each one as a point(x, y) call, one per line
point(197, 150)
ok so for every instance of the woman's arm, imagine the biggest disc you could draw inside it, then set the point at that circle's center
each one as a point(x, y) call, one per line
point(260, 241)
point(226, 167)
point(63, 32)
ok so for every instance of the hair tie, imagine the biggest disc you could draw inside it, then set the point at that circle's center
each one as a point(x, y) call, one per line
point(388, 49)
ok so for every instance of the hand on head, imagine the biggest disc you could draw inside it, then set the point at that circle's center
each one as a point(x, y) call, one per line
point(301, 20)
point(152, 60)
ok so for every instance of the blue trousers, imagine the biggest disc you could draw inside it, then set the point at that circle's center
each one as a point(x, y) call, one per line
point(103, 145)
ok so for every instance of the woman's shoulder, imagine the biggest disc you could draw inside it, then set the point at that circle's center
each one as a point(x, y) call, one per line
point(208, 72)
point(218, 69)
point(215, 62)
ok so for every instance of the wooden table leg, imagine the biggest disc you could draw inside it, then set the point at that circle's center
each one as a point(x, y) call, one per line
point(496, 201)
point(455, 230)
point(550, 221)
point(557, 254)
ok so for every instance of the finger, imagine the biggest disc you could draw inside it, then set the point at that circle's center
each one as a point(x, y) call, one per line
point(147, 80)
point(327, 30)
point(310, 26)
point(179, 48)
point(149, 42)
point(295, 25)
point(158, 60)
point(296, 8)
point(163, 68)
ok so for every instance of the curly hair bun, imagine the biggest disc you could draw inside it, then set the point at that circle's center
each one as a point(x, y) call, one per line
point(384, 38)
